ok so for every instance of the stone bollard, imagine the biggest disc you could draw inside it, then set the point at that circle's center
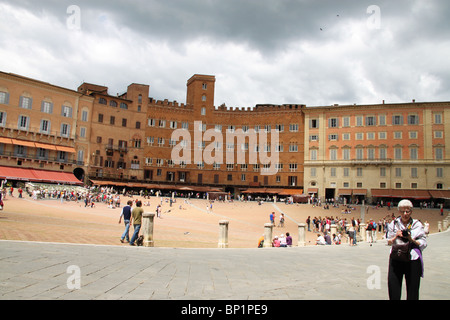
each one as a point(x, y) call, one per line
point(445, 224)
point(223, 234)
point(147, 226)
point(268, 235)
point(302, 234)
point(362, 231)
point(333, 229)
point(439, 226)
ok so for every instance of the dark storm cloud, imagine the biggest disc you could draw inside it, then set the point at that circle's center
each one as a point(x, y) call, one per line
point(265, 24)
point(261, 51)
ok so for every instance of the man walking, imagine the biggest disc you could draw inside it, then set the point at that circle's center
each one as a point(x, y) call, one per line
point(126, 214)
point(136, 219)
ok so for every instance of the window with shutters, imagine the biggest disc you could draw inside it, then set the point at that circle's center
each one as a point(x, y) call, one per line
point(413, 119)
point(65, 130)
point(47, 107)
point(25, 102)
point(66, 111)
point(4, 97)
point(333, 123)
point(314, 123)
point(45, 126)
point(371, 121)
point(397, 119)
point(23, 123)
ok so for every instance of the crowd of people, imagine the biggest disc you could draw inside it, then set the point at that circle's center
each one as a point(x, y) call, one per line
point(282, 241)
point(351, 228)
point(348, 228)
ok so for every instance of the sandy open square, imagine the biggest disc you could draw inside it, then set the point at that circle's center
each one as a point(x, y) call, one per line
point(189, 226)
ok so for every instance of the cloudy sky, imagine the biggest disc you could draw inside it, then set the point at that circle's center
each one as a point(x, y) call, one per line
point(313, 52)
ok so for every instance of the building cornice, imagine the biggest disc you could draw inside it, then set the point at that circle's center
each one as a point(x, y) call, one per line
point(39, 84)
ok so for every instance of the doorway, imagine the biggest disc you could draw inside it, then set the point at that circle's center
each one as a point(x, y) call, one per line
point(330, 193)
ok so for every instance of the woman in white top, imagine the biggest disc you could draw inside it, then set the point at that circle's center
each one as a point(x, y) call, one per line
point(320, 240)
point(407, 238)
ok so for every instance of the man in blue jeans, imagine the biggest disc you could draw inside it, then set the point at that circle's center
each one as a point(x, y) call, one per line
point(136, 219)
point(126, 214)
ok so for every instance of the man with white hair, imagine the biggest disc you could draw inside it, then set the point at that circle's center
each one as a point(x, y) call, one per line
point(407, 238)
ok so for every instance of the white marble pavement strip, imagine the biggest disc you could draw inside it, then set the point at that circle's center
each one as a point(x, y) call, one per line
point(30, 270)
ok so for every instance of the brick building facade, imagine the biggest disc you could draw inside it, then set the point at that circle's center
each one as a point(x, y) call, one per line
point(354, 152)
point(377, 151)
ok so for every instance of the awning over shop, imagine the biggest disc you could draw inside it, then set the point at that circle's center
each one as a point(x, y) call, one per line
point(291, 192)
point(12, 173)
point(23, 143)
point(33, 144)
point(313, 190)
point(26, 174)
point(264, 190)
point(359, 192)
point(440, 194)
point(350, 192)
point(65, 149)
point(5, 140)
point(56, 177)
point(419, 194)
point(401, 193)
point(274, 191)
point(411, 194)
point(344, 192)
point(255, 190)
point(277, 191)
point(155, 186)
point(381, 193)
point(45, 146)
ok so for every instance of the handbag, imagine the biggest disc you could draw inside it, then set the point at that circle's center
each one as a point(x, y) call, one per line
point(401, 249)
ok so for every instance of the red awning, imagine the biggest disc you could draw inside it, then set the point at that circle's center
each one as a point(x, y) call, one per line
point(402, 193)
point(254, 190)
point(291, 192)
point(12, 173)
point(410, 194)
point(269, 191)
point(345, 192)
point(56, 177)
point(440, 194)
point(359, 192)
point(419, 194)
point(26, 174)
point(381, 193)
